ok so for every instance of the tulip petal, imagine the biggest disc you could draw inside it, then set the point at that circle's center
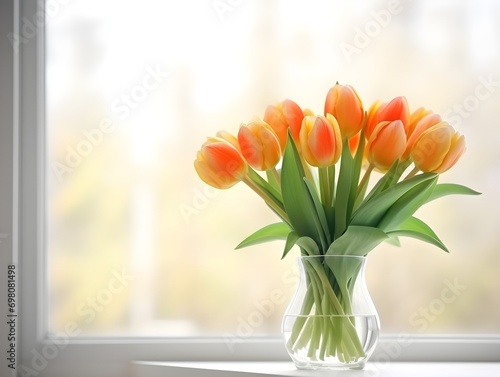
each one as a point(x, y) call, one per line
point(415, 117)
point(373, 117)
point(431, 148)
point(275, 118)
point(457, 148)
point(397, 109)
point(387, 144)
point(344, 104)
point(259, 145)
point(293, 116)
point(321, 142)
point(424, 124)
point(219, 164)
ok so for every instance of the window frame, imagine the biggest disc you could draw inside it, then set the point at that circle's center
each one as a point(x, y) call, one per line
point(112, 356)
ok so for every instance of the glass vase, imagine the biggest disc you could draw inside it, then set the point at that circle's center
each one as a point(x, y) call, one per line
point(331, 322)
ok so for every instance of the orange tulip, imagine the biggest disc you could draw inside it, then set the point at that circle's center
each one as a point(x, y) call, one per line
point(372, 117)
point(424, 124)
point(307, 112)
point(386, 144)
point(259, 145)
point(230, 138)
point(320, 140)
point(438, 148)
point(344, 104)
point(354, 142)
point(397, 109)
point(284, 115)
point(415, 117)
point(219, 164)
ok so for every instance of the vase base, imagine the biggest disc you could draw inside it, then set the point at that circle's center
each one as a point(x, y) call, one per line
point(335, 348)
point(329, 366)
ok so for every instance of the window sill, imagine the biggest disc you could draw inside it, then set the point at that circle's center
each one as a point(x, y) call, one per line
point(254, 369)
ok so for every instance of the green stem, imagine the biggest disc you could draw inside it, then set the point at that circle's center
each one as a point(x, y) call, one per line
point(342, 338)
point(412, 173)
point(331, 179)
point(338, 309)
point(324, 187)
point(365, 179)
point(307, 169)
point(276, 175)
point(270, 202)
point(402, 166)
point(272, 180)
point(301, 321)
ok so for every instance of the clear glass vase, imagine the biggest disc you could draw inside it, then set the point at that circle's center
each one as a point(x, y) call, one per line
point(331, 322)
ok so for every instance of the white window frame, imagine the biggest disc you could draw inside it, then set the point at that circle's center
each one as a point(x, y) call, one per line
point(22, 136)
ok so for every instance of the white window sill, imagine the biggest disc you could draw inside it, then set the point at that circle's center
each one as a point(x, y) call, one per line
point(254, 369)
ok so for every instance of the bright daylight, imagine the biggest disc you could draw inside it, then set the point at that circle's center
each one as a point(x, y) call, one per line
point(276, 187)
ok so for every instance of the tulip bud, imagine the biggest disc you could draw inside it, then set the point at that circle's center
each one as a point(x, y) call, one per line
point(320, 140)
point(354, 142)
point(230, 138)
point(438, 148)
point(386, 144)
point(284, 115)
point(424, 124)
point(259, 145)
point(371, 121)
point(307, 112)
point(344, 104)
point(397, 109)
point(415, 117)
point(219, 164)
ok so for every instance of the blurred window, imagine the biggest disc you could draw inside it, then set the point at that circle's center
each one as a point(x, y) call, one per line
point(138, 245)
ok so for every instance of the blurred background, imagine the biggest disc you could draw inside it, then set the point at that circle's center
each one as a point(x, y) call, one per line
point(138, 245)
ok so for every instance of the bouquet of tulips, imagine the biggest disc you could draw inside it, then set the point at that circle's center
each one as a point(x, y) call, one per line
point(313, 171)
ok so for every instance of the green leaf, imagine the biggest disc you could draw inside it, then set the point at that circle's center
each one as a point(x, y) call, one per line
point(416, 228)
point(357, 240)
point(273, 181)
point(407, 205)
point(383, 182)
point(342, 197)
point(266, 186)
point(296, 199)
point(308, 245)
point(394, 241)
point(272, 232)
point(291, 240)
point(444, 189)
point(370, 212)
point(330, 218)
point(357, 163)
point(344, 272)
point(319, 210)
